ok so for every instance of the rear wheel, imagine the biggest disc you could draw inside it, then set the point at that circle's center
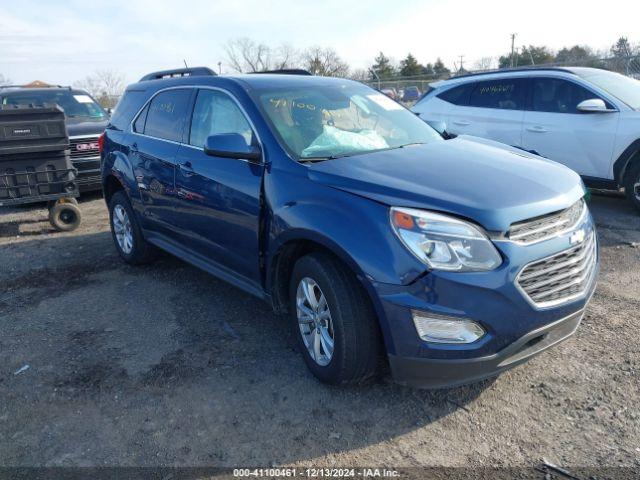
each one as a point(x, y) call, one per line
point(632, 185)
point(126, 233)
point(333, 320)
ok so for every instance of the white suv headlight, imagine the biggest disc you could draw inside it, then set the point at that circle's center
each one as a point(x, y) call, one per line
point(443, 242)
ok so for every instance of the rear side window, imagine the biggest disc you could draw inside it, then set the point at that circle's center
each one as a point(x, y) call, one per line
point(127, 107)
point(138, 125)
point(558, 96)
point(166, 114)
point(507, 94)
point(457, 95)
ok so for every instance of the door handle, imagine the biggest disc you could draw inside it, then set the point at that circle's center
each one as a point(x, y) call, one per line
point(462, 123)
point(537, 129)
point(186, 169)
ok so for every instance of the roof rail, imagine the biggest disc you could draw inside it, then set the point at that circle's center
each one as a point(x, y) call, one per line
point(511, 70)
point(287, 71)
point(179, 72)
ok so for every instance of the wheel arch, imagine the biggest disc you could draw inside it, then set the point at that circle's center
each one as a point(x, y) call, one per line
point(111, 185)
point(280, 268)
point(289, 249)
point(623, 164)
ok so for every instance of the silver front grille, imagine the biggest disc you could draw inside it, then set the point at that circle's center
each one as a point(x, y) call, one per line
point(541, 228)
point(83, 147)
point(562, 277)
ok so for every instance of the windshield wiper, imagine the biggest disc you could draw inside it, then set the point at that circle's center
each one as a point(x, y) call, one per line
point(408, 145)
point(353, 154)
point(332, 157)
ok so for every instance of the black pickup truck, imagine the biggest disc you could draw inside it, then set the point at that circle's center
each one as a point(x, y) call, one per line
point(85, 119)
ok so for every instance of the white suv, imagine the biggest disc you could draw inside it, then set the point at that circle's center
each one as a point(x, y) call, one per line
point(585, 118)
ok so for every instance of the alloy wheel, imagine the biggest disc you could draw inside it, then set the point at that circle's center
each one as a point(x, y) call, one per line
point(314, 321)
point(122, 229)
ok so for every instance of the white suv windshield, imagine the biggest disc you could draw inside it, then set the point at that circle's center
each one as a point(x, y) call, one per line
point(344, 120)
point(624, 88)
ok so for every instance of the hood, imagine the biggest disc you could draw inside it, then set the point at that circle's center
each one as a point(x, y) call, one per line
point(484, 181)
point(78, 126)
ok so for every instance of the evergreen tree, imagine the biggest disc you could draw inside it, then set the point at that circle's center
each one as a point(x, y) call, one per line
point(383, 66)
point(440, 69)
point(428, 69)
point(528, 56)
point(578, 55)
point(410, 66)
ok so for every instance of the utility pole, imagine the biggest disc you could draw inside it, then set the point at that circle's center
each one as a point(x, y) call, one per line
point(513, 42)
point(220, 68)
point(461, 63)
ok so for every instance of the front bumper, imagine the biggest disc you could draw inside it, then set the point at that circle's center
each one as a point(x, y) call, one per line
point(439, 373)
point(516, 329)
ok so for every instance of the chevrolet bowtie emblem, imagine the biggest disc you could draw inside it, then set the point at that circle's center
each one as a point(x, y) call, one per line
point(577, 237)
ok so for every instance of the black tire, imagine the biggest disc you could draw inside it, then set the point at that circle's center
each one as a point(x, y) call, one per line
point(142, 251)
point(65, 217)
point(356, 332)
point(632, 178)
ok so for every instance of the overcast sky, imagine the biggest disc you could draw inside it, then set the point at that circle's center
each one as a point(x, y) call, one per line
point(66, 40)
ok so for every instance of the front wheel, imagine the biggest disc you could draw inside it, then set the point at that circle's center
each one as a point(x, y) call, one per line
point(333, 320)
point(632, 185)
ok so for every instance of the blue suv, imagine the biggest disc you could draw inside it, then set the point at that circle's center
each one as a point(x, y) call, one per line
point(453, 260)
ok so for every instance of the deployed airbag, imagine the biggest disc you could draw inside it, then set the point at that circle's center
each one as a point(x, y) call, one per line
point(338, 142)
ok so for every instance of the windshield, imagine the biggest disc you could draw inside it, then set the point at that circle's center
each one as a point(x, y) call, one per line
point(626, 89)
point(75, 103)
point(342, 120)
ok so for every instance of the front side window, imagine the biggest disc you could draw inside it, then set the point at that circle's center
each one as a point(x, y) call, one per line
point(215, 113)
point(167, 111)
point(323, 121)
point(555, 95)
point(507, 94)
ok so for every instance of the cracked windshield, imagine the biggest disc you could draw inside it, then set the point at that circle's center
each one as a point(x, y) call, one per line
point(337, 122)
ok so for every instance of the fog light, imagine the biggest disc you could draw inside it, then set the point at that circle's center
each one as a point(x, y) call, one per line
point(436, 328)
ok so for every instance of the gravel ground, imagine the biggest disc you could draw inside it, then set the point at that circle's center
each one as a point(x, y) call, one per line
point(165, 365)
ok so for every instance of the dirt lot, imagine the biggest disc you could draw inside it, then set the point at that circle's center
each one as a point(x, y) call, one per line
point(165, 365)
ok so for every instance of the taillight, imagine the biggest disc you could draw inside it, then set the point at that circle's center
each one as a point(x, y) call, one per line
point(101, 142)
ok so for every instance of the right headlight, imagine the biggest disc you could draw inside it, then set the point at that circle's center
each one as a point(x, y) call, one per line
point(443, 242)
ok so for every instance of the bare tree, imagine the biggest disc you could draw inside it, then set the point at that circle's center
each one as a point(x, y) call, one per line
point(245, 55)
point(324, 62)
point(360, 75)
point(105, 85)
point(4, 80)
point(286, 56)
point(484, 63)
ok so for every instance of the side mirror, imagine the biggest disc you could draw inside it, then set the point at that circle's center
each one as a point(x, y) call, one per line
point(593, 105)
point(231, 145)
